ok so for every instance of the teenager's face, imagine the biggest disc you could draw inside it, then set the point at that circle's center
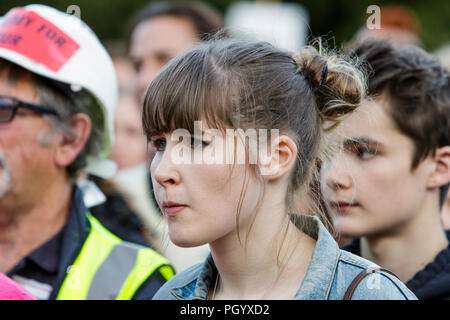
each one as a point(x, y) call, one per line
point(369, 185)
point(208, 194)
point(445, 212)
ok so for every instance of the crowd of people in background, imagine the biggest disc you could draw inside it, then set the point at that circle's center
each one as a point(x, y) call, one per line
point(93, 205)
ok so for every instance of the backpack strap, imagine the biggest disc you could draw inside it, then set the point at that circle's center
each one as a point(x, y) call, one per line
point(354, 284)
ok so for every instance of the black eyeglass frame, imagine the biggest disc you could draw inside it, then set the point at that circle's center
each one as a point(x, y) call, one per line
point(21, 104)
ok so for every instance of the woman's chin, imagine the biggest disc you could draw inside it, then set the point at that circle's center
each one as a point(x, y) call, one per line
point(186, 243)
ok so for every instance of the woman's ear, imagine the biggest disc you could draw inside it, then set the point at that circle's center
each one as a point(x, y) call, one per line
point(280, 160)
point(70, 147)
point(441, 174)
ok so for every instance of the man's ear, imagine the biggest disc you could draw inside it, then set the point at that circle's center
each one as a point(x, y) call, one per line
point(441, 174)
point(281, 159)
point(70, 147)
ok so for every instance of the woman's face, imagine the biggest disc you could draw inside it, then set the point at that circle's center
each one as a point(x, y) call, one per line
point(369, 185)
point(199, 200)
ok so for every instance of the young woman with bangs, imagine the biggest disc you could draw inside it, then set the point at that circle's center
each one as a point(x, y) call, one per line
point(199, 113)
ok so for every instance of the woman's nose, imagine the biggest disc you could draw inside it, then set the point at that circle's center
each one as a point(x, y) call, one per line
point(164, 171)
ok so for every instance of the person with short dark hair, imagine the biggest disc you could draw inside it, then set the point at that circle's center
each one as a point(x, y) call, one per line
point(162, 30)
point(388, 185)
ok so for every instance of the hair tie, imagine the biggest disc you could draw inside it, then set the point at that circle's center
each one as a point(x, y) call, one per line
point(324, 79)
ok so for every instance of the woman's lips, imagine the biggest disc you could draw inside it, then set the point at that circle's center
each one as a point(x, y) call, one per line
point(171, 209)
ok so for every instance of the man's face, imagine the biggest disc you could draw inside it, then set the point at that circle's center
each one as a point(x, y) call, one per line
point(154, 42)
point(26, 166)
point(370, 185)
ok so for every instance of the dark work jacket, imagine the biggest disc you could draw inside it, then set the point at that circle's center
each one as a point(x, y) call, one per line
point(116, 216)
point(432, 282)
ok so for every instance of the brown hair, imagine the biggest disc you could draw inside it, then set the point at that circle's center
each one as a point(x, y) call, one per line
point(246, 84)
point(418, 89)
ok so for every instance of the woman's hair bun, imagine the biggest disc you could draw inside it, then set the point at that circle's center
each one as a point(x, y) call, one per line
point(338, 84)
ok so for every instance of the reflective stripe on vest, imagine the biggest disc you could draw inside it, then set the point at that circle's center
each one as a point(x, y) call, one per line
point(109, 268)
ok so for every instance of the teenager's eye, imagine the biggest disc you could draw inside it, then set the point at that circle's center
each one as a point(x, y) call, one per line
point(159, 144)
point(364, 153)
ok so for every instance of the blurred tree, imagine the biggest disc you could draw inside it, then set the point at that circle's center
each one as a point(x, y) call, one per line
point(335, 20)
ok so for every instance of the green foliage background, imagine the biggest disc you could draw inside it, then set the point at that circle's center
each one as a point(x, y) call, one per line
point(337, 20)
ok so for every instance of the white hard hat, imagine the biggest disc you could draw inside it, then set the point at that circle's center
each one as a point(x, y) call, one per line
point(59, 46)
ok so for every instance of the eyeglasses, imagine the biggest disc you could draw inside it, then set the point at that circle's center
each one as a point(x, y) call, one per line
point(9, 106)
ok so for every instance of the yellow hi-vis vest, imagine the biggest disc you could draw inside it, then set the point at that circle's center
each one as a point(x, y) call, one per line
point(110, 268)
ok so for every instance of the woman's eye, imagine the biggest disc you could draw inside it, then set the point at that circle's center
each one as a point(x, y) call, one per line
point(159, 144)
point(197, 143)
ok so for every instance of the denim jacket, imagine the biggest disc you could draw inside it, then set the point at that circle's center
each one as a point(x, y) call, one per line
point(328, 276)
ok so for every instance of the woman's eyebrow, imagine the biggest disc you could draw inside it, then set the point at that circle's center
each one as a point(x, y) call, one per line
point(154, 134)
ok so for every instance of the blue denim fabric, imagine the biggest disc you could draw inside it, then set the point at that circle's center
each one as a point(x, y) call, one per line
point(328, 276)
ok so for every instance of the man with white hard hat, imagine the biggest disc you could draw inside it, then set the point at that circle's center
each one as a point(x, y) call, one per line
point(57, 97)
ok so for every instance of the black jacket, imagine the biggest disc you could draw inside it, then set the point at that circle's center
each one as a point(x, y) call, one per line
point(432, 282)
point(116, 216)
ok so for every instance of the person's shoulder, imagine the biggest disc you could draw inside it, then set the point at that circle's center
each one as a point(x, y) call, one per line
point(186, 278)
point(379, 285)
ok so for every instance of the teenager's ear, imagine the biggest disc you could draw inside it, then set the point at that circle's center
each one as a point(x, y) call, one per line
point(441, 174)
point(281, 158)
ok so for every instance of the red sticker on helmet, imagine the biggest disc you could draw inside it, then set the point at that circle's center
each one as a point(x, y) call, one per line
point(31, 35)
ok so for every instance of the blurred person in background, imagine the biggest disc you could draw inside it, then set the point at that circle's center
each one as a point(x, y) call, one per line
point(158, 33)
point(398, 24)
point(283, 24)
point(443, 55)
point(388, 185)
point(130, 150)
point(163, 30)
point(105, 200)
point(56, 121)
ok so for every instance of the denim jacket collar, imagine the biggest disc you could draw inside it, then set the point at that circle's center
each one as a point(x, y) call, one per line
point(198, 288)
point(319, 275)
